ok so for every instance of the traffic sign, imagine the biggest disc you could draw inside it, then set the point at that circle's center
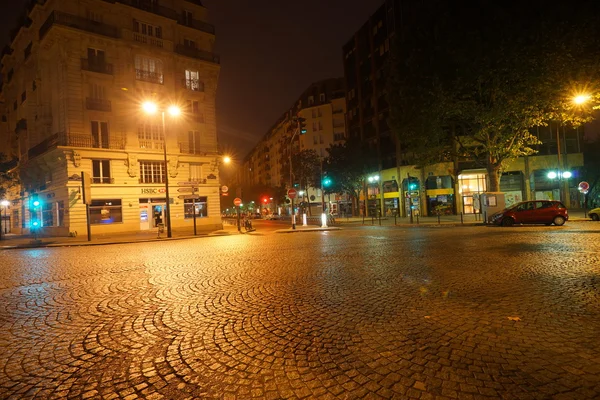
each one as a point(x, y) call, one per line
point(224, 194)
point(187, 183)
point(584, 187)
point(224, 189)
point(187, 189)
point(237, 201)
point(188, 196)
point(292, 193)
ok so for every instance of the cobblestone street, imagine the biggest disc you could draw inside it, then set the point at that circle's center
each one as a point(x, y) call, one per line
point(366, 312)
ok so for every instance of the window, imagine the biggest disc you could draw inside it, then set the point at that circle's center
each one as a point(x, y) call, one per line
point(23, 97)
point(95, 56)
point(60, 213)
point(106, 211)
point(315, 139)
point(321, 126)
point(28, 50)
point(94, 16)
point(311, 100)
point(15, 221)
point(149, 69)
point(320, 139)
point(193, 82)
point(196, 172)
point(322, 97)
point(199, 207)
point(152, 172)
point(193, 106)
point(319, 112)
point(189, 43)
point(15, 105)
point(96, 91)
point(150, 137)
point(101, 171)
point(195, 142)
point(147, 29)
point(187, 17)
point(314, 126)
point(47, 214)
point(99, 134)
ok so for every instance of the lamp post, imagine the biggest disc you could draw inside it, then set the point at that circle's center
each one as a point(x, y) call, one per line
point(4, 204)
point(291, 181)
point(152, 108)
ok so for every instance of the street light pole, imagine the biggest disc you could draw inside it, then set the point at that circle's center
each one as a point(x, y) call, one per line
point(292, 182)
point(167, 206)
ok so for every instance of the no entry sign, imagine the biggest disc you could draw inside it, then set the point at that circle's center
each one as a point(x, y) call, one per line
point(292, 193)
point(237, 201)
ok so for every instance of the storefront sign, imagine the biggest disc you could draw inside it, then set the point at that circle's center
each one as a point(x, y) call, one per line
point(152, 190)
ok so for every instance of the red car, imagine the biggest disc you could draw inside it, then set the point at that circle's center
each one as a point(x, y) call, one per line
point(533, 212)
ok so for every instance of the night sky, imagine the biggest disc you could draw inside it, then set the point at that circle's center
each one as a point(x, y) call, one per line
point(270, 50)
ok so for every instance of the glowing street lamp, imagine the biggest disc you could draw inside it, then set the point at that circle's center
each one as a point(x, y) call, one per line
point(151, 108)
point(581, 99)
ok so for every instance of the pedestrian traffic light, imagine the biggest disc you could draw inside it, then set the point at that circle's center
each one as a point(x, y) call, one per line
point(413, 184)
point(302, 125)
point(327, 181)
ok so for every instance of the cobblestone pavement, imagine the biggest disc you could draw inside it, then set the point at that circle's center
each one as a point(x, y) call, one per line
point(367, 312)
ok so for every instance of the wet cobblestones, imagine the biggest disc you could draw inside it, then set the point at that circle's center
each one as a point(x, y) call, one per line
point(367, 312)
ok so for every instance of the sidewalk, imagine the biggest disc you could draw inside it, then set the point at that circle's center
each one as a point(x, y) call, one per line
point(11, 241)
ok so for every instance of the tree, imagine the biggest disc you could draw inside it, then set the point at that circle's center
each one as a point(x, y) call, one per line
point(9, 179)
point(591, 172)
point(346, 166)
point(306, 170)
point(471, 81)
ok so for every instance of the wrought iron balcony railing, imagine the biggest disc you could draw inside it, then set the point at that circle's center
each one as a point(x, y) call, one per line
point(193, 84)
point(115, 142)
point(150, 6)
point(147, 76)
point(101, 67)
point(195, 24)
point(77, 22)
point(196, 53)
point(149, 40)
point(186, 148)
point(98, 104)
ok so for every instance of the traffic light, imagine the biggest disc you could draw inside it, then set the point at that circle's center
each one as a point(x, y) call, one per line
point(413, 184)
point(265, 200)
point(327, 181)
point(34, 210)
point(302, 125)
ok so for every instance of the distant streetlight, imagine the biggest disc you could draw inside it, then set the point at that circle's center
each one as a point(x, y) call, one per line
point(226, 159)
point(151, 108)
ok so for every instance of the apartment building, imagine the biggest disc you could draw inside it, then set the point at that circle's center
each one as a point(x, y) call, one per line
point(323, 106)
point(75, 77)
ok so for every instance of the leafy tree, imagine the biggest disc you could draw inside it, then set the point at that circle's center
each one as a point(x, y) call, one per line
point(306, 169)
point(9, 180)
point(471, 81)
point(591, 172)
point(347, 166)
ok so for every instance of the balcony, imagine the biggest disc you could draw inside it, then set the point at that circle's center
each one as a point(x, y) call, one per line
point(198, 25)
point(98, 104)
point(186, 148)
point(115, 142)
point(148, 76)
point(102, 180)
point(100, 67)
point(195, 53)
point(148, 5)
point(195, 85)
point(149, 144)
point(74, 21)
point(149, 40)
point(197, 117)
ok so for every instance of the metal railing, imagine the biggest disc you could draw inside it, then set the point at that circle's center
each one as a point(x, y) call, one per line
point(150, 40)
point(149, 6)
point(185, 148)
point(115, 142)
point(77, 22)
point(193, 84)
point(197, 117)
point(147, 76)
point(98, 104)
point(103, 180)
point(195, 24)
point(101, 67)
point(196, 53)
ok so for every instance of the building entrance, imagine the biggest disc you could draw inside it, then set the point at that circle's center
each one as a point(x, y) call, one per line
point(152, 213)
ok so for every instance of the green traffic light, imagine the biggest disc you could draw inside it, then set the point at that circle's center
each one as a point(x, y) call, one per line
point(36, 203)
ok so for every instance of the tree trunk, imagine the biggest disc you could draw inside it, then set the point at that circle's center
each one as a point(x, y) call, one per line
point(494, 173)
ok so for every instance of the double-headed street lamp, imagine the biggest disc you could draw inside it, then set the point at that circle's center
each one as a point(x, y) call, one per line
point(4, 204)
point(151, 109)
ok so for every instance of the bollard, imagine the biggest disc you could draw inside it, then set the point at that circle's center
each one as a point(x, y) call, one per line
point(485, 217)
point(417, 219)
point(461, 218)
point(395, 217)
point(438, 218)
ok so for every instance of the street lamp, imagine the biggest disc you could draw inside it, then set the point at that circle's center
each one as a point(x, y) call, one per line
point(152, 108)
point(4, 204)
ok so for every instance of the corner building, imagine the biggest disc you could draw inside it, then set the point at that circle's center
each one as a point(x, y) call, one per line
point(75, 77)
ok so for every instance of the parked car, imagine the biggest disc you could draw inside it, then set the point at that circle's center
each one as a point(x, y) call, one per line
point(533, 212)
point(272, 217)
point(595, 214)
